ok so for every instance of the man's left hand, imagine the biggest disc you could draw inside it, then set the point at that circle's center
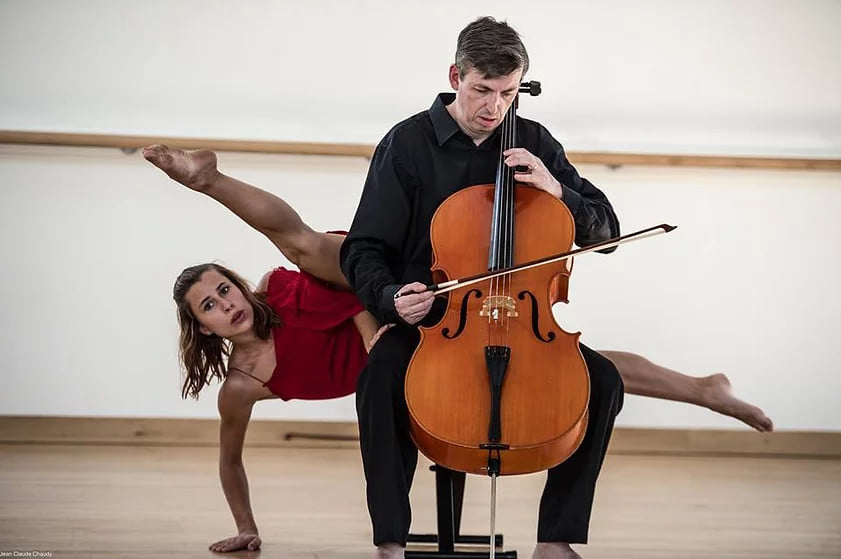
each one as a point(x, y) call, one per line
point(536, 175)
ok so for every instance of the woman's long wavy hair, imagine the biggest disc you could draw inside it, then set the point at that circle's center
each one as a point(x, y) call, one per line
point(204, 356)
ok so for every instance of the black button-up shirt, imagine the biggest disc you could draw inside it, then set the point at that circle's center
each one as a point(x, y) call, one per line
point(416, 166)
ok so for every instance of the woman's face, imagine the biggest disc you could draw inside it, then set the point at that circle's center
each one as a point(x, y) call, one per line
point(219, 306)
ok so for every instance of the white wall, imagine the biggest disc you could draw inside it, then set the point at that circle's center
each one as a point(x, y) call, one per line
point(717, 76)
point(92, 239)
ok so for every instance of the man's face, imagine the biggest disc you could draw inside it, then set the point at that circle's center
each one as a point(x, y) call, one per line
point(481, 103)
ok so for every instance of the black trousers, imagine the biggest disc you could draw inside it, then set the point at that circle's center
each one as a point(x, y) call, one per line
point(390, 457)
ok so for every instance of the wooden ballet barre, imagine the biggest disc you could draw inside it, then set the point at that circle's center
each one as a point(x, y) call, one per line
point(610, 159)
point(137, 142)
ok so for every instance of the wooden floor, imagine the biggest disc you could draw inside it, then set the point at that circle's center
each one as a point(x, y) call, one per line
point(111, 501)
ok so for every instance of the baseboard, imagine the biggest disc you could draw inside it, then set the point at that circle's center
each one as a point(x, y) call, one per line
point(164, 431)
point(338, 434)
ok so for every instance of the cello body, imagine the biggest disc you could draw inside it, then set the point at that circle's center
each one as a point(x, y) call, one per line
point(536, 416)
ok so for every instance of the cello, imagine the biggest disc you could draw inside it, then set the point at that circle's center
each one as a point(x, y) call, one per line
point(496, 386)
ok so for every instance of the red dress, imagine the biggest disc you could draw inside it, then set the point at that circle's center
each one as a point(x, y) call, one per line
point(319, 351)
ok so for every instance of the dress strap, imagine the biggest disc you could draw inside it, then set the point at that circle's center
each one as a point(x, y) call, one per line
point(246, 374)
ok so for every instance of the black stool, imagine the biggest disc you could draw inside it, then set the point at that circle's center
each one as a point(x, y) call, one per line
point(449, 497)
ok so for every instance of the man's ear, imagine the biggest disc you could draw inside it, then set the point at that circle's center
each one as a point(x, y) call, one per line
point(454, 77)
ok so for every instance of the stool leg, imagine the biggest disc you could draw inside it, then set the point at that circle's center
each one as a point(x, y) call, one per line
point(447, 520)
point(449, 502)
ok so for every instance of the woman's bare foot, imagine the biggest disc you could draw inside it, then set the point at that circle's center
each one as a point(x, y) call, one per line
point(249, 542)
point(194, 169)
point(554, 551)
point(389, 551)
point(717, 395)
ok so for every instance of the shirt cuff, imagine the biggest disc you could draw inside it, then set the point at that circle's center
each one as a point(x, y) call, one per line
point(387, 307)
point(572, 199)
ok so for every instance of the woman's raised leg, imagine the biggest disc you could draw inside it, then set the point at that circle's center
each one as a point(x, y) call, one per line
point(312, 251)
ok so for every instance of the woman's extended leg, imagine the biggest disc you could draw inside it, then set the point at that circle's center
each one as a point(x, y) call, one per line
point(644, 378)
point(314, 252)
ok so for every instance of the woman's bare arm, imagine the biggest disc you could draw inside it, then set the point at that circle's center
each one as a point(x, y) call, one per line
point(235, 405)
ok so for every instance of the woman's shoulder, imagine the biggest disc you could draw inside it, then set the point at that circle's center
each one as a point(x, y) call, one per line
point(276, 278)
point(238, 393)
point(234, 395)
point(263, 284)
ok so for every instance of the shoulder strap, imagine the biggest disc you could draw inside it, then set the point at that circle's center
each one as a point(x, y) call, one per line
point(246, 374)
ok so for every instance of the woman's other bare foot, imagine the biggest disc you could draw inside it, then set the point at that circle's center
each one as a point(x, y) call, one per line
point(194, 169)
point(554, 550)
point(249, 542)
point(718, 396)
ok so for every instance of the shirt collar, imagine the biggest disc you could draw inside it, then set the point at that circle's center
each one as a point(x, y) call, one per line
point(445, 125)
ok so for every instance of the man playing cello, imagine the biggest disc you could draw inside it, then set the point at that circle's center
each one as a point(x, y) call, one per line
point(419, 163)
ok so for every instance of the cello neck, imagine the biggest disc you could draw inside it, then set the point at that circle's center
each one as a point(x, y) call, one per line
point(500, 252)
point(501, 249)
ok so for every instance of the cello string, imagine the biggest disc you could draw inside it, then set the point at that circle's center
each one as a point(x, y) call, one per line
point(503, 245)
point(501, 221)
point(493, 248)
point(497, 228)
point(510, 140)
point(500, 224)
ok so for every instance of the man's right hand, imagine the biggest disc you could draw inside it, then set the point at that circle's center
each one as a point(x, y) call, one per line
point(414, 302)
point(250, 542)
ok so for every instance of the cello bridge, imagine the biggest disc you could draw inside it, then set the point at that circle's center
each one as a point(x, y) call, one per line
point(492, 306)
